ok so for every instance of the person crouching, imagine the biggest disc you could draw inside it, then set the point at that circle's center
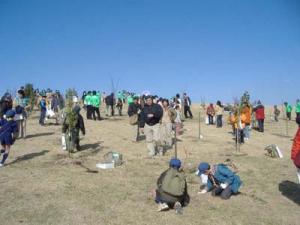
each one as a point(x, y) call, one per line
point(172, 188)
point(221, 180)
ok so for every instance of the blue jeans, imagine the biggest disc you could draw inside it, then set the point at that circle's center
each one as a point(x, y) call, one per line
point(247, 131)
point(219, 121)
point(42, 116)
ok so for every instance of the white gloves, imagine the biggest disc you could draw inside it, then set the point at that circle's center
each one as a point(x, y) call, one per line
point(202, 192)
point(224, 186)
point(204, 178)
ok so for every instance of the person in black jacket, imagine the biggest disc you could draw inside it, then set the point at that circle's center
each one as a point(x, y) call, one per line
point(187, 106)
point(134, 110)
point(151, 116)
point(78, 126)
point(6, 104)
point(110, 103)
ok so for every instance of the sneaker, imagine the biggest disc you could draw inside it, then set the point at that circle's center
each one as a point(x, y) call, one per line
point(1, 165)
point(162, 207)
point(178, 208)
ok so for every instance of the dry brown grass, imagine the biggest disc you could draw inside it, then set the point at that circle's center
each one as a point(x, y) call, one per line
point(40, 186)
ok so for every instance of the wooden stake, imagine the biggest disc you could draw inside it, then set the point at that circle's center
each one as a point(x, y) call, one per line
point(199, 134)
point(175, 143)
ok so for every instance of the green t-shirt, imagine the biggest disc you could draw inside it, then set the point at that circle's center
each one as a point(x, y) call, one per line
point(288, 108)
point(88, 100)
point(95, 100)
point(297, 108)
point(129, 100)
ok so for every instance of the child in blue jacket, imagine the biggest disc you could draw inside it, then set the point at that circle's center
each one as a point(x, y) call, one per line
point(221, 180)
point(8, 131)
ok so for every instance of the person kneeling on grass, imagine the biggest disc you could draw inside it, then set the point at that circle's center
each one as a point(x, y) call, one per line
point(172, 188)
point(221, 180)
point(8, 134)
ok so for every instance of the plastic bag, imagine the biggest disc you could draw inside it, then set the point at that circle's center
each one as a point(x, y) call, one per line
point(206, 120)
point(114, 157)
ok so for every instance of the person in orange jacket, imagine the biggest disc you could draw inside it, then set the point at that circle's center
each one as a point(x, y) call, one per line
point(246, 119)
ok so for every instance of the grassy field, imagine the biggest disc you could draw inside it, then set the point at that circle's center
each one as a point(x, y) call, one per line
point(40, 185)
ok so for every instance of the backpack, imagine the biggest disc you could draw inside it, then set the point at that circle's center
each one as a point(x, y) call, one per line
point(174, 183)
point(133, 120)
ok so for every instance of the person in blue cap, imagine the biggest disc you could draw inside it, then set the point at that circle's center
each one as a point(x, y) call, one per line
point(8, 134)
point(221, 180)
point(171, 189)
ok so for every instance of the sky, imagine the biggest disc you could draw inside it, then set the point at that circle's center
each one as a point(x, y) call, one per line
point(213, 50)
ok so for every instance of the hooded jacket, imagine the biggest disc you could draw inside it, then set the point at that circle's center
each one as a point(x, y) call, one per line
point(226, 176)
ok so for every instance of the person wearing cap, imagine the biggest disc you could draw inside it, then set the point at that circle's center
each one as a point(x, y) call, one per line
point(43, 108)
point(8, 134)
point(134, 110)
point(171, 189)
point(221, 180)
point(79, 125)
point(150, 118)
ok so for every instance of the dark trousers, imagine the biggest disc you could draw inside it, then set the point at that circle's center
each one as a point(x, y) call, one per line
point(210, 119)
point(223, 193)
point(93, 113)
point(261, 125)
point(289, 115)
point(112, 110)
point(120, 110)
point(42, 116)
point(219, 121)
point(187, 109)
point(239, 135)
point(89, 111)
point(96, 111)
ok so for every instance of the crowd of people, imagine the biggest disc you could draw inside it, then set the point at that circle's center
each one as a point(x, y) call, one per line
point(159, 119)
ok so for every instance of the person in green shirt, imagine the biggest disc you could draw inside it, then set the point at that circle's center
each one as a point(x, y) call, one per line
point(95, 99)
point(288, 110)
point(129, 99)
point(89, 106)
point(297, 108)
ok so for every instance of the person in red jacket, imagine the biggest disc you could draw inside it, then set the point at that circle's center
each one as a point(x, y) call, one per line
point(260, 116)
point(295, 153)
